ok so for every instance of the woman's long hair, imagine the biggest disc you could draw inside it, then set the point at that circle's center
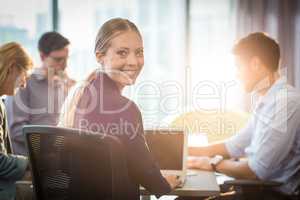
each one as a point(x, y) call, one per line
point(13, 54)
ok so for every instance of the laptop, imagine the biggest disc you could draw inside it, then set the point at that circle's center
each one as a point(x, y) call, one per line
point(169, 149)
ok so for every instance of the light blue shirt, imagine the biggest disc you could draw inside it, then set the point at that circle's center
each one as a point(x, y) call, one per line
point(271, 139)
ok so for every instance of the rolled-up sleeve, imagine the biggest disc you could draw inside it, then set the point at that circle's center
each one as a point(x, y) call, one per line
point(276, 141)
point(237, 144)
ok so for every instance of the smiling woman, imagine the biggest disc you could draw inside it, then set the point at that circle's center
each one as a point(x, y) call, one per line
point(124, 59)
point(99, 106)
point(162, 25)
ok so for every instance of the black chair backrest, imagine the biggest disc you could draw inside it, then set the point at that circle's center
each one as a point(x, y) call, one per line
point(70, 164)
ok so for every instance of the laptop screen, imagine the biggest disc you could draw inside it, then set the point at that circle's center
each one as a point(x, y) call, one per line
point(167, 148)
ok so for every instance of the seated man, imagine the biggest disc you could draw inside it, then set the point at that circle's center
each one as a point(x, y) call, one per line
point(270, 142)
point(40, 102)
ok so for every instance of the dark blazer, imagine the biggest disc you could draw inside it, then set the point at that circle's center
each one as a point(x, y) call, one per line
point(12, 167)
point(102, 108)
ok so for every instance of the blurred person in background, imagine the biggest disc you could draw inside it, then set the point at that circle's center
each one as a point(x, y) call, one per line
point(40, 102)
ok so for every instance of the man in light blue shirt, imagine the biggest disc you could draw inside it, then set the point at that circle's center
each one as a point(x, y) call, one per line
point(270, 142)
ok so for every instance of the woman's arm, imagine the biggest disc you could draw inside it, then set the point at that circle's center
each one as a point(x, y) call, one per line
point(12, 167)
point(142, 166)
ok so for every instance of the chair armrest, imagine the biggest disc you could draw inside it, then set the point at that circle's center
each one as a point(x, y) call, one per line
point(252, 183)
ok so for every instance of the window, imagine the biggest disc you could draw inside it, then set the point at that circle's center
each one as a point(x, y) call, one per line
point(184, 68)
point(212, 72)
point(24, 23)
point(158, 91)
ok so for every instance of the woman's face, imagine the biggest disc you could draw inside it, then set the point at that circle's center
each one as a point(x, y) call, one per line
point(250, 73)
point(124, 58)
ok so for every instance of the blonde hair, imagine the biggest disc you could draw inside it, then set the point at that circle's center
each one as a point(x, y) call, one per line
point(68, 110)
point(13, 54)
point(111, 29)
point(106, 33)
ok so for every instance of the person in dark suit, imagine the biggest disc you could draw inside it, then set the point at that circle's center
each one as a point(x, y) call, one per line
point(14, 63)
point(98, 104)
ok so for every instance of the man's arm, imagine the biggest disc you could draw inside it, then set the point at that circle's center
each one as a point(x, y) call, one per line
point(232, 148)
point(210, 151)
point(235, 169)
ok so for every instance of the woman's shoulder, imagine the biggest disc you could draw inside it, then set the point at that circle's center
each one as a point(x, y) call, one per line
point(130, 106)
point(131, 103)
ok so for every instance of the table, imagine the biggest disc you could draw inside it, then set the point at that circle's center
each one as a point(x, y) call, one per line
point(198, 184)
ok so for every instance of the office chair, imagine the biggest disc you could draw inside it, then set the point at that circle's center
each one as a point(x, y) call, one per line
point(257, 189)
point(71, 164)
point(216, 125)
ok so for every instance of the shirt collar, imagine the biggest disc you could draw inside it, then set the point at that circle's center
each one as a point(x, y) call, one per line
point(40, 73)
point(279, 84)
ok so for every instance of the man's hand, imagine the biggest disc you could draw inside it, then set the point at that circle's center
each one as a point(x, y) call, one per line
point(173, 181)
point(201, 163)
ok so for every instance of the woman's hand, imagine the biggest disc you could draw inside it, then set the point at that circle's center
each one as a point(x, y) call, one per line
point(201, 163)
point(173, 181)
